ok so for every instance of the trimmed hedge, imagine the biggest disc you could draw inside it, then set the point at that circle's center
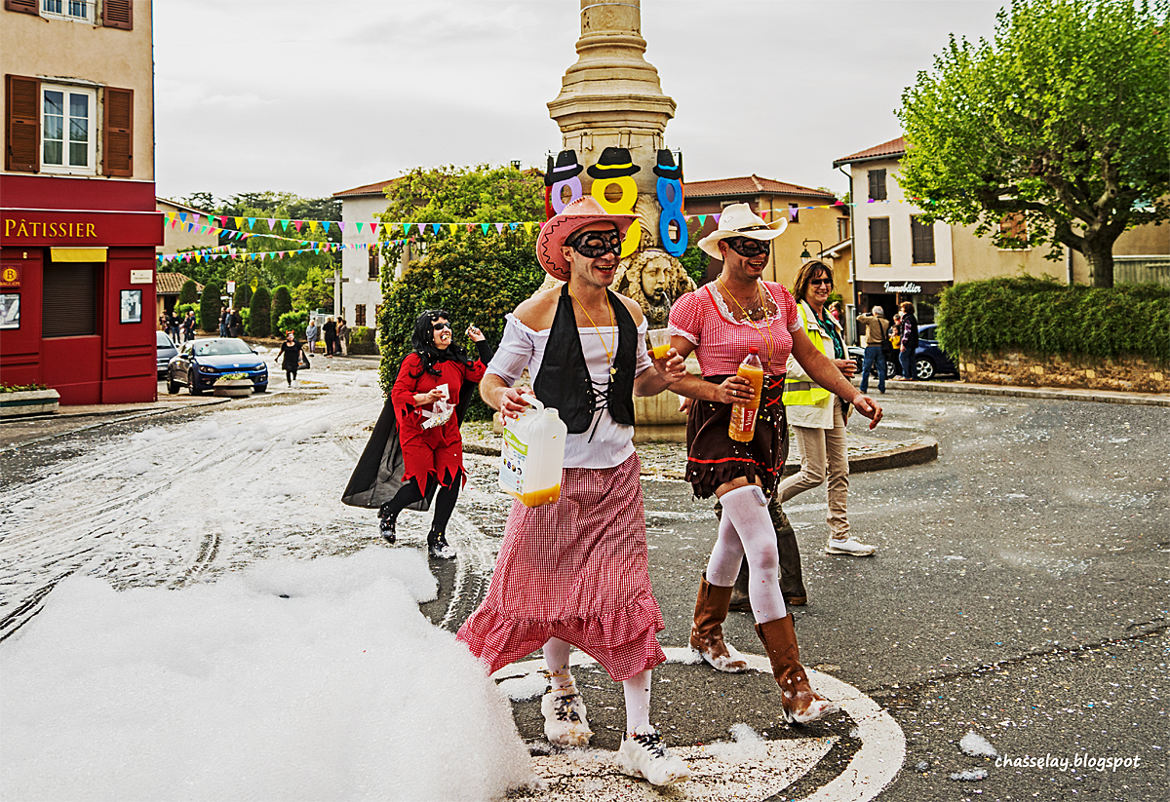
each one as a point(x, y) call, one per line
point(209, 307)
point(1044, 317)
point(295, 320)
point(281, 304)
point(260, 319)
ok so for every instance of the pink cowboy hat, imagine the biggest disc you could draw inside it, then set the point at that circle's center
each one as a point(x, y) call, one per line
point(560, 228)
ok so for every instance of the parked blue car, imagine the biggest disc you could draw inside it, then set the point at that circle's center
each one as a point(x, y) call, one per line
point(929, 360)
point(164, 350)
point(200, 362)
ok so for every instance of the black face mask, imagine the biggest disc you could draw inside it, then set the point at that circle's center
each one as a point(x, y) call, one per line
point(746, 246)
point(593, 244)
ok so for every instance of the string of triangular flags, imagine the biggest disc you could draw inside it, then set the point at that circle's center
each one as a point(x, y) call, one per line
point(247, 224)
point(209, 254)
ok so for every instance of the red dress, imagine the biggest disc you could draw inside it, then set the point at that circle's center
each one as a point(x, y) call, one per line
point(430, 452)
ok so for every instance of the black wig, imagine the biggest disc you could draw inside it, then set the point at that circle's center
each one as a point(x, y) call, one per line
point(423, 340)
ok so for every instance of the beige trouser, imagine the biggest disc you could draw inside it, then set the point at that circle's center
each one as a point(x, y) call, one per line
point(823, 451)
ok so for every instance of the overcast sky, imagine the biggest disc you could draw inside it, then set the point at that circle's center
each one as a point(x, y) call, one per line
point(314, 98)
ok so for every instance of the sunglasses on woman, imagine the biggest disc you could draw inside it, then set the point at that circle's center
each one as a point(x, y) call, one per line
point(592, 244)
point(746, 246)
point(816, 282)
point(441, 326)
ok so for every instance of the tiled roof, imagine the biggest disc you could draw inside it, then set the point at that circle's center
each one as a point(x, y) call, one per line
point(378, 188)
point(895, 147)
point(750, 185)
point(171, 283)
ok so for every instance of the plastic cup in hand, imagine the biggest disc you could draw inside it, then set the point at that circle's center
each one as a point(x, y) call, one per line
point(659, 342)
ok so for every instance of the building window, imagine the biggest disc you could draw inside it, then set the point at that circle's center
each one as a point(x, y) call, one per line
point(70, 9)
point(879, 240)
point(921, 241)
point(1014, 228)
point(877, 184)
point(373, 253)
point(68, 129)
point(359, 315)
point(842, 229)
point(794, 213)
point(69, 305)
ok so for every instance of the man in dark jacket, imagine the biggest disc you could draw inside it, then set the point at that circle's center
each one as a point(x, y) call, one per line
point(909, 342)
point(330, 332)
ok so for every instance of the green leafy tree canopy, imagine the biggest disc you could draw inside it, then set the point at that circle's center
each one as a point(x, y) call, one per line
point(1061, 120)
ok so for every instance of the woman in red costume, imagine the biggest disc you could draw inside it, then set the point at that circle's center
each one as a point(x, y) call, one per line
point(425, 453)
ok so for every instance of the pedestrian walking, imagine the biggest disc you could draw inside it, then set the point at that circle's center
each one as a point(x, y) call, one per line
point(289, 356)
point(173, 328)
point(877, 338)
point(329, 330)
point(235, 324)
point(574, 572)
point(419, 428)
point(817, 416)
point(908, 343)
point(312, 334)
point(343, 336)
point(722, 322)
point(189, 327)
point(225, 318)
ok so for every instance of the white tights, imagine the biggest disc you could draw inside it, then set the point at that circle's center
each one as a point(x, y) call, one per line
point(746, 529)
point(636, 689)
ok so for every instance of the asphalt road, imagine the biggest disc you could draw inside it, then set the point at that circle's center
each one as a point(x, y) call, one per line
point(1019, 590)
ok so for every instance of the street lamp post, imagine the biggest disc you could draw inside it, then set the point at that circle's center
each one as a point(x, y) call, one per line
point(805, 255)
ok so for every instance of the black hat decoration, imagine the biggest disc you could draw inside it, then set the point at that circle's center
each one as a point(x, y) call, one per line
point(565, 168)
point(665, 167)
point(614, 163)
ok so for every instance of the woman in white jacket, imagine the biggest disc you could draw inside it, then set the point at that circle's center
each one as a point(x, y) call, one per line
point(817, 417)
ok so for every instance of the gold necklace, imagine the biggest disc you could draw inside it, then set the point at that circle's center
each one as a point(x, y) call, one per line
point(613, 324)
point(765, 336)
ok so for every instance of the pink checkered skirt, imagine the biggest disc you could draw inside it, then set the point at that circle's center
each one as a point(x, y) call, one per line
point(574, 570)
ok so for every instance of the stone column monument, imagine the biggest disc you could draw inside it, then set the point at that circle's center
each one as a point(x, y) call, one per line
point(612, 98)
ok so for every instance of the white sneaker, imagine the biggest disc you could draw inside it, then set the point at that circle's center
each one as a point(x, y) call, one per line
point(851, 546)
point(643, 755)
point(564, 718)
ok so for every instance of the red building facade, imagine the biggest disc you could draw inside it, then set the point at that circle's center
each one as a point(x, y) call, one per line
point(78, 225)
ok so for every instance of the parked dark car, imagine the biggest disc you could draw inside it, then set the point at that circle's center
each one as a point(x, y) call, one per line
point(200, 362)
point(929, 359)
point(165, 349)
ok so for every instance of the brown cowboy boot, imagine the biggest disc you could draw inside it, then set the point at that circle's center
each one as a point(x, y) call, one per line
point(791, 579)
point(707, 629)
point(798, 701)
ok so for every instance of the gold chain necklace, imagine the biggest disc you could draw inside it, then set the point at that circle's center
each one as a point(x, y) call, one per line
point(613, 324)
point(765, 335)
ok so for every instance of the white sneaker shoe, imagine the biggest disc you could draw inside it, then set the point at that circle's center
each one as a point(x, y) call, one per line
point(643, 755)
point(851, 546)
point(564, 718)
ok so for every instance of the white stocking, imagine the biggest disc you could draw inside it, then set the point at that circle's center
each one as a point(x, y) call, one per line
point(556, 659)
point(723, 566)
point(637, 693)
point(747, 509)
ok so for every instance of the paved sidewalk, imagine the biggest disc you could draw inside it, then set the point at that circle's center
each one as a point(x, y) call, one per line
point(1015, 391)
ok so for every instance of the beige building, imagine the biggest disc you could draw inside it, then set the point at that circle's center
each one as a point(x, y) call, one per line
point(358, 288)
point(178, 238)
point(899, 259)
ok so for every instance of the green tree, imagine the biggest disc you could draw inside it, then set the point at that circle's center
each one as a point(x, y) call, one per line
point(1060, 120)
point(188, 293)
point(242, 296)
point(209, 307)
point(281, 302)
point(260, 318)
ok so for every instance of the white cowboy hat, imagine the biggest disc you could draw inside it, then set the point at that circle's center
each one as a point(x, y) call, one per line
point(738, 220)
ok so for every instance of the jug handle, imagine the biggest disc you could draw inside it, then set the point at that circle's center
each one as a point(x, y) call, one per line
point(533, 402)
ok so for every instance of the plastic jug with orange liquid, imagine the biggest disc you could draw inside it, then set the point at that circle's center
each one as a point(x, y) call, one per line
point(532, 455)
point(743, 414)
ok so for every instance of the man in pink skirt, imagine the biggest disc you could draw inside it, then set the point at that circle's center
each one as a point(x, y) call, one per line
point(574, 573)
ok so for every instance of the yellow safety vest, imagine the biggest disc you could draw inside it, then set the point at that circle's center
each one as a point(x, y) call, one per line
point(802, 392)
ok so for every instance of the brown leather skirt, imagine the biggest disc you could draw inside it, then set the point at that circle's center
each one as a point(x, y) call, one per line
point(714, 458)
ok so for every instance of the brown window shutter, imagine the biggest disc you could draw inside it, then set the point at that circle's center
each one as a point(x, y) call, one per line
point(118, 14)
point(23, 123)
point(23, 6)
point(118, 132)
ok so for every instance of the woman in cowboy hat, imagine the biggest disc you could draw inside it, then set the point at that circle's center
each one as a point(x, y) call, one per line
point(575, 572)
point(720, 321)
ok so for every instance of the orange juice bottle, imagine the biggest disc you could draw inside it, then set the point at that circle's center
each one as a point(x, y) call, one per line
point(743, 414)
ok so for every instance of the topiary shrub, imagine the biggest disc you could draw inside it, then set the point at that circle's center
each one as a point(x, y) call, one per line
point(242, 297)
point(281, 302)
point(188, 293)
point(1044, 317)
point(209, 307)
point(260, 317)
point(477, 279)
point(295, 320)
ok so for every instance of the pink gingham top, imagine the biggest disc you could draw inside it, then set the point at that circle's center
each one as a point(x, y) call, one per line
point(721, 342)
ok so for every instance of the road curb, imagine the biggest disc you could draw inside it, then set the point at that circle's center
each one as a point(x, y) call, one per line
point(1014, 391)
